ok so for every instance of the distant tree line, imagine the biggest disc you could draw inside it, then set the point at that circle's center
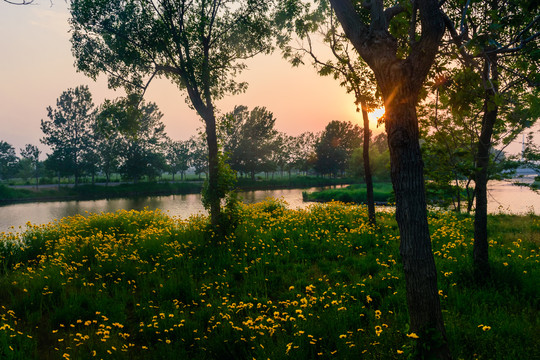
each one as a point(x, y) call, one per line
point(126, 136)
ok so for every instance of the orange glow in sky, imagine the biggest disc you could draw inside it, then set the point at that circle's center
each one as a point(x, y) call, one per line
point(36, 66)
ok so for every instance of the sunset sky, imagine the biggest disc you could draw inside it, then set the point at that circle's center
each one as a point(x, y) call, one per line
point(36, 65)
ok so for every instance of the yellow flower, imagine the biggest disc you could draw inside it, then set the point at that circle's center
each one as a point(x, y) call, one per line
point(399, 352)
point(413, 336)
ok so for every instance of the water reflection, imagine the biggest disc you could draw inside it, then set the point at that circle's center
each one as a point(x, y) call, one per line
point(503, 197)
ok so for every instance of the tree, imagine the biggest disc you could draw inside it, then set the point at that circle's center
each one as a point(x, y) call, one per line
point(379, 159)
point(249, 139)
point(198, 155)
point(178, 157)
point(498, 46)
point(336, 145)
point(399, 44)
point(8, 159)
point(31, 154)
point(303, 153)
point(198, 45)
point(68, 131)
point(107, 130)
point(143, 138)
point(351, 71)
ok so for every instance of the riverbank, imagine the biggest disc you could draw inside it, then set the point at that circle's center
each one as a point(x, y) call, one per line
point(12, 195)
point(355, 193)
point(302, 284)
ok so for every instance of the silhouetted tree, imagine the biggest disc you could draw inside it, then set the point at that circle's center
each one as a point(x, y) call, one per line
point(8, 159)
point(178, 157)
point(250, 139)
point(336, 145)
point(68, 130)
point(31, 154)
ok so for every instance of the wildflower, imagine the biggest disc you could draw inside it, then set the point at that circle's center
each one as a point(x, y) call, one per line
point(413, 336)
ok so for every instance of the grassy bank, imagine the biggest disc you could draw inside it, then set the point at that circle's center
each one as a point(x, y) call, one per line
point(356, 193)
point(10, 195)
point(289, 284)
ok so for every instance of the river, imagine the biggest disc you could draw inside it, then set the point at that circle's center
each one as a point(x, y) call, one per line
point(502, 197)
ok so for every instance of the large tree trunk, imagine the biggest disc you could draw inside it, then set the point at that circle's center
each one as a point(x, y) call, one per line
point(400, 81)
point(367, 167)
point(411, 215)
point(480, 247)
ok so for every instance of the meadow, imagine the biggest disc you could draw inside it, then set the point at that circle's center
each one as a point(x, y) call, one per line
point(316, 283)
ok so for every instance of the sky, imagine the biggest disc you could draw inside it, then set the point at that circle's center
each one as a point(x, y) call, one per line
point(36, 66)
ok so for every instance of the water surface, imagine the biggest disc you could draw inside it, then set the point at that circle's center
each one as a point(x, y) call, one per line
point(502, 197)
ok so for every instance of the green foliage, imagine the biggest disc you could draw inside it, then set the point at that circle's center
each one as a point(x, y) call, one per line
point(286, 284)
point(68, 131)
point(249, 139)
point(379, 160)
point(382, 193)
point(8, 159)
point(336, 145)
point(225, 192)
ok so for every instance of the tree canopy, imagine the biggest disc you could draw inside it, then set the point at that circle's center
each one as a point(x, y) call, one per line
point(198, 45)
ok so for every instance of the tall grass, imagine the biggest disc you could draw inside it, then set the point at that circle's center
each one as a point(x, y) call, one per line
point(288, 284)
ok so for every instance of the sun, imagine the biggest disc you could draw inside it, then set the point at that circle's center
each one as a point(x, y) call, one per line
point(375, 115)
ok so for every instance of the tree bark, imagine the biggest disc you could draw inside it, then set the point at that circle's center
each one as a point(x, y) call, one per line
point(481, 246)
point(367, 167)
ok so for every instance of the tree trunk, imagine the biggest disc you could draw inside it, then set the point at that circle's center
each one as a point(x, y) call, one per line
point(480, 247)
point(367, 167)
point(411, 214)
point(458, 196)
point(400, 81)
point(213, 171)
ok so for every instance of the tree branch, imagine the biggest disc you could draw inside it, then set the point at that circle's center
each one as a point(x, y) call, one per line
point(22, 2)
point(424, 51)
point(392, 12)
point(458, 41)
point(353, 26)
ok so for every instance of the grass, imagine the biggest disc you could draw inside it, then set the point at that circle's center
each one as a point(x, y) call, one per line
point(288, 284)
point(356, 193)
